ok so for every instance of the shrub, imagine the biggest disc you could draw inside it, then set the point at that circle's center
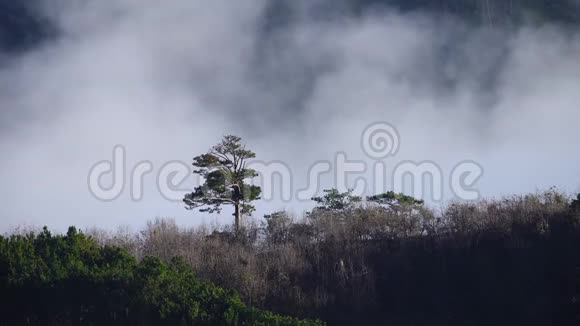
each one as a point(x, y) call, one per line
point(66, 280)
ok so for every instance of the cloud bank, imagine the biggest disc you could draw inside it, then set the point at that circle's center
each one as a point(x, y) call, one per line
point(167, 80)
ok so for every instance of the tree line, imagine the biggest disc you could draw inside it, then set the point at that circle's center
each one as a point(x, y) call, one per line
point(386, 260)
point(69, 279)
point(510, 261)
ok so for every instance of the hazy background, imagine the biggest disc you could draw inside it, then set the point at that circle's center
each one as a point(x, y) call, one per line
point(298, 80)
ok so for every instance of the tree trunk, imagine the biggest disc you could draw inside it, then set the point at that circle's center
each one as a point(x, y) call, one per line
point(237, 217)
point(237, 213)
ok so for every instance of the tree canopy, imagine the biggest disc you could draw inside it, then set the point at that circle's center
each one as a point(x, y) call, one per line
point(224, 170)
point(69, 279)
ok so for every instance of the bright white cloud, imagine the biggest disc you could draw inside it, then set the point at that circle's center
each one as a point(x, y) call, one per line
point(168, 79)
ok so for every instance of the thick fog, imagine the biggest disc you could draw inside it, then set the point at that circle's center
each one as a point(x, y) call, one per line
point(167, 79)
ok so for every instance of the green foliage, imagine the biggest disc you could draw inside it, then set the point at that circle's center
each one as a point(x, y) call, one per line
point(334, 200)
point(224, 169)
point(396, 202)
point(47, 280)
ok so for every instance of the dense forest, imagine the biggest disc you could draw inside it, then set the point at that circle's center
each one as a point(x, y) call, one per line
point(70, 280)
point(511, 261)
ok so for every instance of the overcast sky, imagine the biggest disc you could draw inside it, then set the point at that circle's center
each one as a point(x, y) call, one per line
point(167, 79)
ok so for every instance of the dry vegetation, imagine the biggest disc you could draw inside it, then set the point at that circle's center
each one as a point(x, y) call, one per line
point(509, 261)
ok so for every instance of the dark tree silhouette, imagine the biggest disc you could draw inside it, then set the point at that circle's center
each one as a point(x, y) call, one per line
point(224, 169)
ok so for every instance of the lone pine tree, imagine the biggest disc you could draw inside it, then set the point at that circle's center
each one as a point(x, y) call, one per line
point(224, 170)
